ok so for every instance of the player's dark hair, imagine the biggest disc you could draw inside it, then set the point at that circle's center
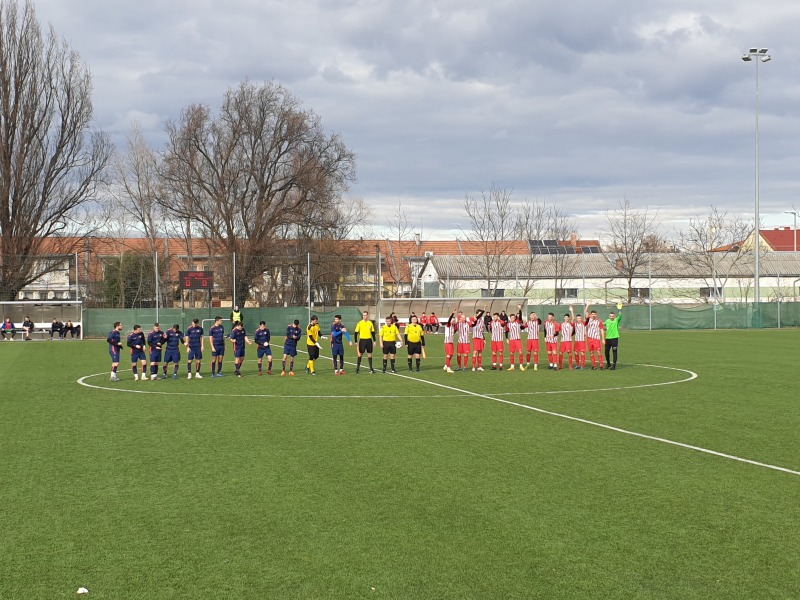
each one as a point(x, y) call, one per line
point(218, 318)
point(263, 323)
point(116, 324)
point(551, 314)
point(135, 327)
point(196, 321)
point(156, 325)
point(176, 327)
point(496, 314)
point(313, 317)
point(566, 314)
point(297, 322)
point(337, 317)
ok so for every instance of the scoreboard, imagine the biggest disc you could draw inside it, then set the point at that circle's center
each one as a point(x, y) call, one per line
point(197, 280)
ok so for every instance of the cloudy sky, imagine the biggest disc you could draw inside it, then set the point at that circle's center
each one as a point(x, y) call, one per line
point(578, 103)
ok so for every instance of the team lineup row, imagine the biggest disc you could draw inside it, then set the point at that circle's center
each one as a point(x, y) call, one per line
point(570, 340)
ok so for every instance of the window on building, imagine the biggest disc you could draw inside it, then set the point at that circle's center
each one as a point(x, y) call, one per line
point(567, 293)
point(359, 273)
point(710, 292)
point(643, 293)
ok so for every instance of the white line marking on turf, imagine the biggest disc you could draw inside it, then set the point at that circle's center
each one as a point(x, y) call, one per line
point(609, 427)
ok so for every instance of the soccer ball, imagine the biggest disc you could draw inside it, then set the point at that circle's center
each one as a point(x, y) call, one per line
point(398, 344)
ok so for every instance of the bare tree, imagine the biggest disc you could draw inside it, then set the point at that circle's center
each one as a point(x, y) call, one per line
point(710, 247)
point(50, 162)
point(494, 227)
point(401, 231)
point(631, 232)
point(531, 222)
point(561, 227)
point(249, 174)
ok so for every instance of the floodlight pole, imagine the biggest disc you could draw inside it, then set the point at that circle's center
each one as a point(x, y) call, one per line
point(760, 55)
point(794, 229)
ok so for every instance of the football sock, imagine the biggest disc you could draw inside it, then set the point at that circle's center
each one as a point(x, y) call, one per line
point(197, 368)
point(392, 360)
point(369, 358)
point(358, 363)
point(418, 363)
point(409, 362)
point(213, 367)
point(384, 364)
point(135, 370)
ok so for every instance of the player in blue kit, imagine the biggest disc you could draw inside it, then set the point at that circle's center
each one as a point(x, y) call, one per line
point(216, 336)
point(293, 334)
point(173, 352)
point(239, 339)
point(262, 338)
point(194, 341)
point(338, 330)
point(114, 340)
point(155, 340)
point(136, 343)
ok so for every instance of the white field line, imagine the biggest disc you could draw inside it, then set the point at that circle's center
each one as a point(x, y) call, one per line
point(494, 398)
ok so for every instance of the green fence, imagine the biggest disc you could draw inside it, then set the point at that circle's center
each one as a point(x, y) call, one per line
point(98, 322)
point(693, 316)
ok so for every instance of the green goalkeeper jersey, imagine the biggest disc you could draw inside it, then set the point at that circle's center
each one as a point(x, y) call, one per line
point(612, 327)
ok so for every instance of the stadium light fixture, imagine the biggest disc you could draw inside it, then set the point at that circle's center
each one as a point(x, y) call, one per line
point(794, 229)
point(761, 56)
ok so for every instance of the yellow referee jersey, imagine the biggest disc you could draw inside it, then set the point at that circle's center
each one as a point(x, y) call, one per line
point(365, 329)
point(414, 333)
point(390, 333)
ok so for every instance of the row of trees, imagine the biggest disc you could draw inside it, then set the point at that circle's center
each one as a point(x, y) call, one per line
point(259, 177)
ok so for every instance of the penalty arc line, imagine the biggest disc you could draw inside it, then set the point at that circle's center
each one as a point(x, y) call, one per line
point(609, 427)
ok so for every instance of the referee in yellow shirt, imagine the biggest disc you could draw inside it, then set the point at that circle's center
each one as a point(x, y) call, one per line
point(365, 336)
point(415, 340)
point(389, 336)
point(312, 341)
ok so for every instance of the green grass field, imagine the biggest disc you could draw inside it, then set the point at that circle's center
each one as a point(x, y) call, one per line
point(382, 486)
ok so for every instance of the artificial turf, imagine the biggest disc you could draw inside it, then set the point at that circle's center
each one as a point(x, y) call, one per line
point(382, 486)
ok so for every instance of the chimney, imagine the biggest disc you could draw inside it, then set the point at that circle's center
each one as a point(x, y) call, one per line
point(619, 264)
point(573, 239)
point(419, 242)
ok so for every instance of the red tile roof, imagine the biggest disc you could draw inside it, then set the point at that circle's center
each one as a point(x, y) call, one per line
point(781, 239)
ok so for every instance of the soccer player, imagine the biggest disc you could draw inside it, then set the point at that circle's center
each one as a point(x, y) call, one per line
point(312, 343)
point(239, 339)
point(262, 339)
point(533, 327)
point(433, 323)
point(216, 337)
point(498, 331)
point(612, 337)
point(293, 335)
point(423, 321)
point(365, 337)
point(8, 329)
point(173, 352)
point(195, 344)
point(579, 345)
point(478, 341)
point(595, 332)
point(514, 329)
point(338, 330)
point(155, 340)
point(566, 348)
point(136, 342)
point(464, 328)
point(551, 331)
point(415, 341)
point(389, 336)
point(115, 348)
point(449, 342)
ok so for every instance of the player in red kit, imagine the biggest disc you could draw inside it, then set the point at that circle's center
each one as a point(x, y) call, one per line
point(478, 341)
point(565, 348)
point(595, 334)
point(579, 346)
point(551, 331)
point(449, 342)
point(514, 328)
point(533, 327)
point(464, 347)
point(498, 330)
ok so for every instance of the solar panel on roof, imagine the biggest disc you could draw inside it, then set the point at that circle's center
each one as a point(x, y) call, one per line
point(550, 242)
point(594, 249)
point(536, 243)
point(570, 250)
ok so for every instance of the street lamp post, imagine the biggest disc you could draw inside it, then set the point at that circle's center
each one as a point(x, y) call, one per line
point(794, 229)
point(760, 55)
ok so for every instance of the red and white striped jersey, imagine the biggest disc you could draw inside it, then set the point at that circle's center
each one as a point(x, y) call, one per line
point(566, 331)
point(551, 329)
point(449, 332)
point(463, 331)
point(514, 330)
point(580, 331)
point(478, 327)
point(593, 328)
point(498, 331)
point(533, 327)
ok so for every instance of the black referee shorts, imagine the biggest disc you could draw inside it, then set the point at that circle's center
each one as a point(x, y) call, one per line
point(365, 346)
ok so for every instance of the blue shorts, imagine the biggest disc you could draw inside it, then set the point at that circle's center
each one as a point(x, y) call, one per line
point(218, 350)
point(337, 349)
point(195, 354)
point(264, 351)
point(114, 355)
point(155, 355)
point(238, 352)
point(172, 356)
point(290, 350)
point(137, 355)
